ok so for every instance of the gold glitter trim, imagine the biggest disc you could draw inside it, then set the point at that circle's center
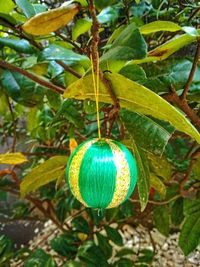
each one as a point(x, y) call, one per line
point(75, 169)
point(122, 177)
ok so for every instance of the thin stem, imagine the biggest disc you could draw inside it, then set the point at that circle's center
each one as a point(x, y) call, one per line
point(194, 157)
point(31, 76)
point(64, 38)
point(192, 72)
point(157, 202)
point(68, 69)
point(108, 85)
point(14, 124)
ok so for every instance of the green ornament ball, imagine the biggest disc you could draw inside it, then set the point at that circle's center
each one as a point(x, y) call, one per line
point(101, 173)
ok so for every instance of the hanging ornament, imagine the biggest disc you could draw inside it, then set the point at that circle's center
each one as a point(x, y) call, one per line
point(101, 173)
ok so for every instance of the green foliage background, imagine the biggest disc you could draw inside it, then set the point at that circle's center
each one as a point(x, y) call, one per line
point(149, 56)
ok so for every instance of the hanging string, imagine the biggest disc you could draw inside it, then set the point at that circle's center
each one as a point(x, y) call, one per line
point(96, 92)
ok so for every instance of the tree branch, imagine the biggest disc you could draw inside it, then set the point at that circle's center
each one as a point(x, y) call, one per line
point(192, 72)
point(31, 76)
point(95, 54)
point(183, 105)
point(68, 69)
point(157, 202)
point(95, 36)
point(195, 155)
point(14, 123)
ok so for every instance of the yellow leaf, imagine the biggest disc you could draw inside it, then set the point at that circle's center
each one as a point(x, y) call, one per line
point(52, 169)
point(72, 144)
point(158, 185)
point(12, 158)
point(82, 236)
point(50, 21)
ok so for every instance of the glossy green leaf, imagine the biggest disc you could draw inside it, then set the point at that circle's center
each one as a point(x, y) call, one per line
point(158, 185)
point(114, 235)
point(68, 112)
point(191, 206)
point(65, 244)
point(162, 75)
point(177, 211)
point(21, 46)
point(122, 48)
point(189, 237)
point(6, 6)
point(81, 26)
point(21, 89)
point(146, 256)
point(133, 72)
point(194, 97)
point(83, 3)
point(161, 219)
point(54, 99)
point(104, 245)
point(56, 52)
point(80, 224)
point(26, 7)
point(46, 172)
point(146, 133)
point(72, 263)
point(39, 258)
point(143, 183)
point(39, 8)
point(6, 250)
point(107, 15)
point(104, 3)
point(124, 262)
point(12, 158)
point(133, 97)
point(167, 49)
point(159, 25)
point(7, 20)
point(70, 78)
point(160, 166)
point(124, 252)
point(190, 30)
point(115, 34)
point(92, 255)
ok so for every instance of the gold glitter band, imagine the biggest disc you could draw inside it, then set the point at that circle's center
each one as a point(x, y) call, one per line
point(122, 177)
point(75, 169)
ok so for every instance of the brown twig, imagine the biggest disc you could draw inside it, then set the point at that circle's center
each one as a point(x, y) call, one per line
point(194, 157)
point(183, 105)
point(95, 36)
point(194, 13)
point(192, 72)
point(108, 85)
point(31, 76)
point(14, 124)
point(68, 69)
point(157, 202)
point(95, 56)
point(64, 38)
point(10, 172)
